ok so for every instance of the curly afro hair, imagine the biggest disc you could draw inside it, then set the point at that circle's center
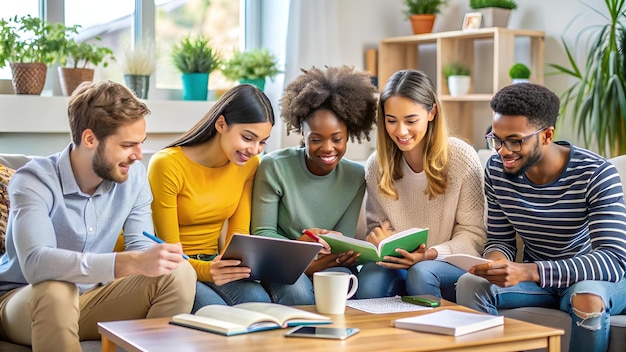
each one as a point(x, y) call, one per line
point(539, 104)
point(348, 93)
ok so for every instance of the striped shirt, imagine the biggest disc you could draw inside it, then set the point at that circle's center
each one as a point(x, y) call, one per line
point(573, 228)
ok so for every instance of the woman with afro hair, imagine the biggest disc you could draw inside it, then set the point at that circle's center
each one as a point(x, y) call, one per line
point(312, 187)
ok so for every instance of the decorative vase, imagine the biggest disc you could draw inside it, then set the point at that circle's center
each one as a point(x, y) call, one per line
point(28, 78)
point(257, 82)
point(71, 78)
point(195, 86)
point(495, 17)
point(458, 85)
point(422, 23)
point(139, 84)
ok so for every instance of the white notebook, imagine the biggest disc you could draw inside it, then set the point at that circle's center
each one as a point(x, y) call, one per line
point(450, 322)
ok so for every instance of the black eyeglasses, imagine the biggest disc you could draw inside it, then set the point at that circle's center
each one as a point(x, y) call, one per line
point(514, 145)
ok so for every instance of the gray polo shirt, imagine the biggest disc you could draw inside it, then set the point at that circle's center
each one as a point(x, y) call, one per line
point(57, 232)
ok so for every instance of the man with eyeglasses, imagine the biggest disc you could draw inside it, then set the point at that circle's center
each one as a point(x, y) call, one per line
point(567, 205)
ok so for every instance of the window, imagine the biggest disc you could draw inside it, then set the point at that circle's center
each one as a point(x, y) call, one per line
point(217, 19)
point(20, 8)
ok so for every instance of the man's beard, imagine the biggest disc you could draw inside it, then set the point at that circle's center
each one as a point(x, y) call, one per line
point(103, 168)
point(533, 158)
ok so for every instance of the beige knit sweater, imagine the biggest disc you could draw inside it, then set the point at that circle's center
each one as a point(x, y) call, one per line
point(455, 219)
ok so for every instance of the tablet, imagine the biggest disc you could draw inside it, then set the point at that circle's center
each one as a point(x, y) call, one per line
point(270, 259)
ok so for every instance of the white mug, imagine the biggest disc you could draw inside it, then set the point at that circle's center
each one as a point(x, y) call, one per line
point(331, 291)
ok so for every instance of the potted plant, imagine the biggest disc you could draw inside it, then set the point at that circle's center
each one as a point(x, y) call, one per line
point(252, 66)
point(29, 45)
point(519, 73)
point(458, 77)
point(195, 59)
point(495, 12)
point(422, 14)
point(138, 63)
point(78, 60)
point(596, 98)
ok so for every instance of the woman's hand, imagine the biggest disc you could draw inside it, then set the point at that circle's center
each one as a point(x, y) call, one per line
point(225, 271)
point(407, 260)
point(324, 262)
point(379, 233)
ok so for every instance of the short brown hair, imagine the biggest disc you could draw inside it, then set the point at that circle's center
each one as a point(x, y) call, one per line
point(102, 107)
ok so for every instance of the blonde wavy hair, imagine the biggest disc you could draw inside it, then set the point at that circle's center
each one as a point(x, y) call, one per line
point(416, 86)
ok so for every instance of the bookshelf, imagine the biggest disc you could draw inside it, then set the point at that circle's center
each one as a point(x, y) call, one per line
point(462, 46)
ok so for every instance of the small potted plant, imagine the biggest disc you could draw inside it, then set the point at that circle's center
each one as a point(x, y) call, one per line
point(78, 60)
point(195, 59)
point(422, 14)
point(495, 12)
point(458, 77)
point(138, 63)
point(252, 66)
point(29, 45)
point(519, 73)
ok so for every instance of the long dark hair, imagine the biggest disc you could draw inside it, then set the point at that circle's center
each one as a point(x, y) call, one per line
point(243, 103)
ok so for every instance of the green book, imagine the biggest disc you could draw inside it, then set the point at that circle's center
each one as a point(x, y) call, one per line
point(408, 240)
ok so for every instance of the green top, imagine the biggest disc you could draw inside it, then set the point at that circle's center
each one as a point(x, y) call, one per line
point(287, 198)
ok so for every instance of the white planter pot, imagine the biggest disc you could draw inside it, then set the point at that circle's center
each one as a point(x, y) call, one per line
point(495, 17)
point(519, 80)
point(458, 85)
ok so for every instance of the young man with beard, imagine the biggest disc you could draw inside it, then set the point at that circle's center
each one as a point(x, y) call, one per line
point(60, 276)
point(567, 205)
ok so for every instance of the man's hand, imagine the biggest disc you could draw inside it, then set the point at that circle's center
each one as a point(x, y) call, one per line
point(160, 259)
point(505, 273)
point(225, 271)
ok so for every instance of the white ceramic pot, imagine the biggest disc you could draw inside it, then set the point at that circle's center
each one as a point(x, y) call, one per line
point(519, 80)
point(458, 85)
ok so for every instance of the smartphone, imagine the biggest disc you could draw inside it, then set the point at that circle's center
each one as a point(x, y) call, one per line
point(322, 332)
point(422, 301)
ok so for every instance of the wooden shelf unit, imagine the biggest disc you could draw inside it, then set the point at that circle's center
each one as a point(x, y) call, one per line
point(459, 46)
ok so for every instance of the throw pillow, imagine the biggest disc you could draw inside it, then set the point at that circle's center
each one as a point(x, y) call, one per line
point(5, 177)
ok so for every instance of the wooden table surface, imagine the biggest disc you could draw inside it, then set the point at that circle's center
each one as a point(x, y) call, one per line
point(376, 334)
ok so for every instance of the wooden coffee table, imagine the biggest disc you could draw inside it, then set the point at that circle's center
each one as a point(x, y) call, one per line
point(376, 334)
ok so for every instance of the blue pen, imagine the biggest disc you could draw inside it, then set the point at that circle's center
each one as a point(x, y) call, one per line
point(158, 240)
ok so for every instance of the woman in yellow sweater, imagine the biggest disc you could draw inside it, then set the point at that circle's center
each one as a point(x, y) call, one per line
point(204, 179)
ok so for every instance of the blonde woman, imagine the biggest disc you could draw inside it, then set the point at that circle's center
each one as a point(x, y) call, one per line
point(420, 177)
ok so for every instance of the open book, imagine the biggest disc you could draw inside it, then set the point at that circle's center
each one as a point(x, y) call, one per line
point(449, 322)
point(247, 317)
point(464, 261)
point(408, 239)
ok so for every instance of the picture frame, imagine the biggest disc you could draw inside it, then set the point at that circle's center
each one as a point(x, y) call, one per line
point(472, 21)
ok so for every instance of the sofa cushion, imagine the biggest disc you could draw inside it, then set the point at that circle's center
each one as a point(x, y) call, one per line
point(5, 176)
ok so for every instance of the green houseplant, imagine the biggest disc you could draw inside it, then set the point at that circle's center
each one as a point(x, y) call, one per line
point(597, 98)
point(195, 59)
point(78, 60)
point(29, 45)
point(252, 66)
point(422, 14)
point(519, 73)
point(495, 12)
point(458, 77)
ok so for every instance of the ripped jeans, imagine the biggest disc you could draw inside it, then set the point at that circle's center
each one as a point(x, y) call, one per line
point(590, 334)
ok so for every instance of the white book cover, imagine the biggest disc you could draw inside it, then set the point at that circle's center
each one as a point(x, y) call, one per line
point(450, 322)
point(464, 261)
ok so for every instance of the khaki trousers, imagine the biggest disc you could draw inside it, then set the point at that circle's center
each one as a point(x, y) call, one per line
point(52, 316)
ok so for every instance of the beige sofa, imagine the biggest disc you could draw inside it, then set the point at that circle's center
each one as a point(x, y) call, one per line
point(561, 320)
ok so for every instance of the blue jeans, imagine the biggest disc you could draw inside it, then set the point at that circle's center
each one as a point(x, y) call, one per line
point(430, 277)
point(232, 293)
point(590, 334)
point(300, 292)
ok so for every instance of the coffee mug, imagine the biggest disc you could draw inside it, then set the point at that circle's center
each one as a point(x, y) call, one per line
point(331, 291)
